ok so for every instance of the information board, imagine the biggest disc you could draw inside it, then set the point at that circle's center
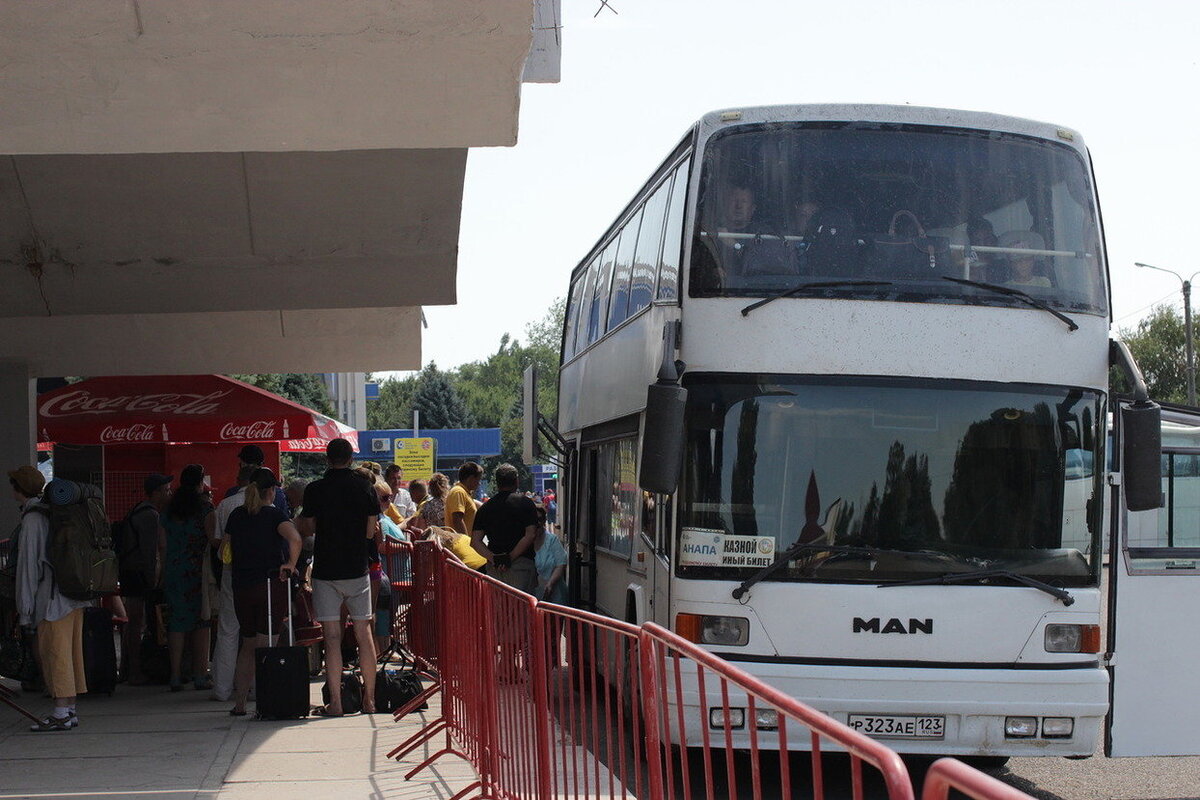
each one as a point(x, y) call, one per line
point(415, 457)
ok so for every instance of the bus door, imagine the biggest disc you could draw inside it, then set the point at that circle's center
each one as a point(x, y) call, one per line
point(581, 569)
point(1154, 600)
point(659, 575)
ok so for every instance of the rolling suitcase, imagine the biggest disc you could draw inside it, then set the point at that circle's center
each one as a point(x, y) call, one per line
point(281, 673)
point(99, 651)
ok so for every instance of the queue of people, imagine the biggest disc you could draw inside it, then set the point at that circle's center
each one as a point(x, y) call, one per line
point(213, 566)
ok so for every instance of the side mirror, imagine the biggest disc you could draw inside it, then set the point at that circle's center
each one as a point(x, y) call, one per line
point(662, 442)
point(1141, 456)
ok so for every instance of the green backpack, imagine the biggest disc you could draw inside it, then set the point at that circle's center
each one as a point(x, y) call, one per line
point(80, 549)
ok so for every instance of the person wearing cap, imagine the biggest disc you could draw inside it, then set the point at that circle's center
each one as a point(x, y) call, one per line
point(140, 569)
point(257, 533)
point(252, 455)
point(189, 526)
point(1022, 265)
point(58, 619)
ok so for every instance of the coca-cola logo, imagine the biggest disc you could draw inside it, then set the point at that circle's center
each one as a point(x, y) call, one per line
point(130, 433)
point(81, 401)
point(307, 444)
point(254, 431)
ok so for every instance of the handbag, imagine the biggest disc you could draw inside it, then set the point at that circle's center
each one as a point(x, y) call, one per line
point(394, 688)
point(16, 657)
point(352, 691)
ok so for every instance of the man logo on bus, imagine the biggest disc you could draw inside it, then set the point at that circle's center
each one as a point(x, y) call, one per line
point(893, 625)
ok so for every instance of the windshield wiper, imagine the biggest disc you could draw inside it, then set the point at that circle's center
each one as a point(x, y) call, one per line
point(1017, 293)
point(984, 574)
point(812, 285)
point(798, 548)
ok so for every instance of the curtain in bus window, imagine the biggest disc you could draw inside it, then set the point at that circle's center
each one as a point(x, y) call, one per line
point(619, 308)
point(616, 496)
point(599, 304)
point(645, 260)
point(672, 253)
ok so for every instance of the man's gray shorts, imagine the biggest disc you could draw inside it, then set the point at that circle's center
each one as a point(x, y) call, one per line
point(522, 574)
point(328, 597)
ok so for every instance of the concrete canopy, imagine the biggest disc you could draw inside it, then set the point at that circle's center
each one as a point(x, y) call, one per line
point(223, 165)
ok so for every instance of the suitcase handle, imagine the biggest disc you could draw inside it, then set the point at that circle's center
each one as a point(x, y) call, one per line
point(270, 616)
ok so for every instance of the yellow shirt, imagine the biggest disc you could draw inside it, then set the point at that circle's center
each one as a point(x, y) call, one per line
point(393, 514)
point(461, 547)
point(459, 499)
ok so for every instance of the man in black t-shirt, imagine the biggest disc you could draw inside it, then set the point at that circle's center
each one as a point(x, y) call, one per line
point(341, 511)
point(508, 522)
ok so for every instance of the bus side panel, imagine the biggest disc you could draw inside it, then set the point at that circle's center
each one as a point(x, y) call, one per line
point(609, 380)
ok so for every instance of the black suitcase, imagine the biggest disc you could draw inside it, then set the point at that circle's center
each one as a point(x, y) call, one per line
point(99, 651)
point(281, 673)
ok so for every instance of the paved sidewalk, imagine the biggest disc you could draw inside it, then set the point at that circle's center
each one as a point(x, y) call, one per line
point(145, 743)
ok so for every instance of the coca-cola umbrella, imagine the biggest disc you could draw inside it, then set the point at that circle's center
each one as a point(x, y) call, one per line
point(177, 408)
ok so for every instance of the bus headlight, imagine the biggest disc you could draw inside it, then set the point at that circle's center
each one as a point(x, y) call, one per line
point(1058, 727)
point(736, 717)
point(1020, 727)
point(705, 629)
point(724, 630)
point(1072, 639)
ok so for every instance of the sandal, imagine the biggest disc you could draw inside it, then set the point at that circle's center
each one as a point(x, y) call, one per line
point(233, 712)
point(52, 723)
point(323, 711)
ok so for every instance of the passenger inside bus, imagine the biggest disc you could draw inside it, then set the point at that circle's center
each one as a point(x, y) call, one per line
point(1023, 267)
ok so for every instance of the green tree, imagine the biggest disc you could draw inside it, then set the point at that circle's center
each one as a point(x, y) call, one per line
point(439, 402)
point(493, 387)
point(1159, 346)
point(393, 409)
point(304, 388)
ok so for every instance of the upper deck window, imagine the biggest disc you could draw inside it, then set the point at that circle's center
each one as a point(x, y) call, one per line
point(903, 206)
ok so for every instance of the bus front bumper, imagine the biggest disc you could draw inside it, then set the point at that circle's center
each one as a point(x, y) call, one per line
point(974, 704)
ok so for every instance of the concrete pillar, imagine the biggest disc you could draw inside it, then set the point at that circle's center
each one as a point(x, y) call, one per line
point(18, 432)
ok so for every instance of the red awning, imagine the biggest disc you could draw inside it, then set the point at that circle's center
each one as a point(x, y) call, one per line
point(177, 408)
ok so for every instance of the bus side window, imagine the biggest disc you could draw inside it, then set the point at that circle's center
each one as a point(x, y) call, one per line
point(619, 309)
point(599, 305)
point(672, 252)
point(649, 245)
point(572, 327)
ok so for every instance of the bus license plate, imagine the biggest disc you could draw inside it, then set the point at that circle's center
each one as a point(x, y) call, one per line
point(883, 726)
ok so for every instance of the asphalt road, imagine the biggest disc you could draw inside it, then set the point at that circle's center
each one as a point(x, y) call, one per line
point(1100, 778)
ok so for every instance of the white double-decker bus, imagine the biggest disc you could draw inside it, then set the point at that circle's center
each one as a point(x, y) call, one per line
point(870, 464)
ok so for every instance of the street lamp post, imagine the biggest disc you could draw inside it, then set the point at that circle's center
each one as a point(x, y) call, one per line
point(1187, 326)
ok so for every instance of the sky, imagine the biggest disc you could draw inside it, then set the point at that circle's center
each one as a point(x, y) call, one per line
point(1123, 74)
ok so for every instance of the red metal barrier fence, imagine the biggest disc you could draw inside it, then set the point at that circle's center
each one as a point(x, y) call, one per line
point(947, 774)
point(550, 702)
point(690, 693)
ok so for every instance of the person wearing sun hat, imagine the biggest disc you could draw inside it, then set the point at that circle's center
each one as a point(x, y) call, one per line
point(58, 619)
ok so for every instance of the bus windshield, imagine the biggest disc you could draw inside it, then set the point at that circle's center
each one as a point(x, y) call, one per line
point(792, 203)
point(903, 480)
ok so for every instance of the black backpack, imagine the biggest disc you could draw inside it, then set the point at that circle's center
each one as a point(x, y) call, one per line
point(126, 542)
